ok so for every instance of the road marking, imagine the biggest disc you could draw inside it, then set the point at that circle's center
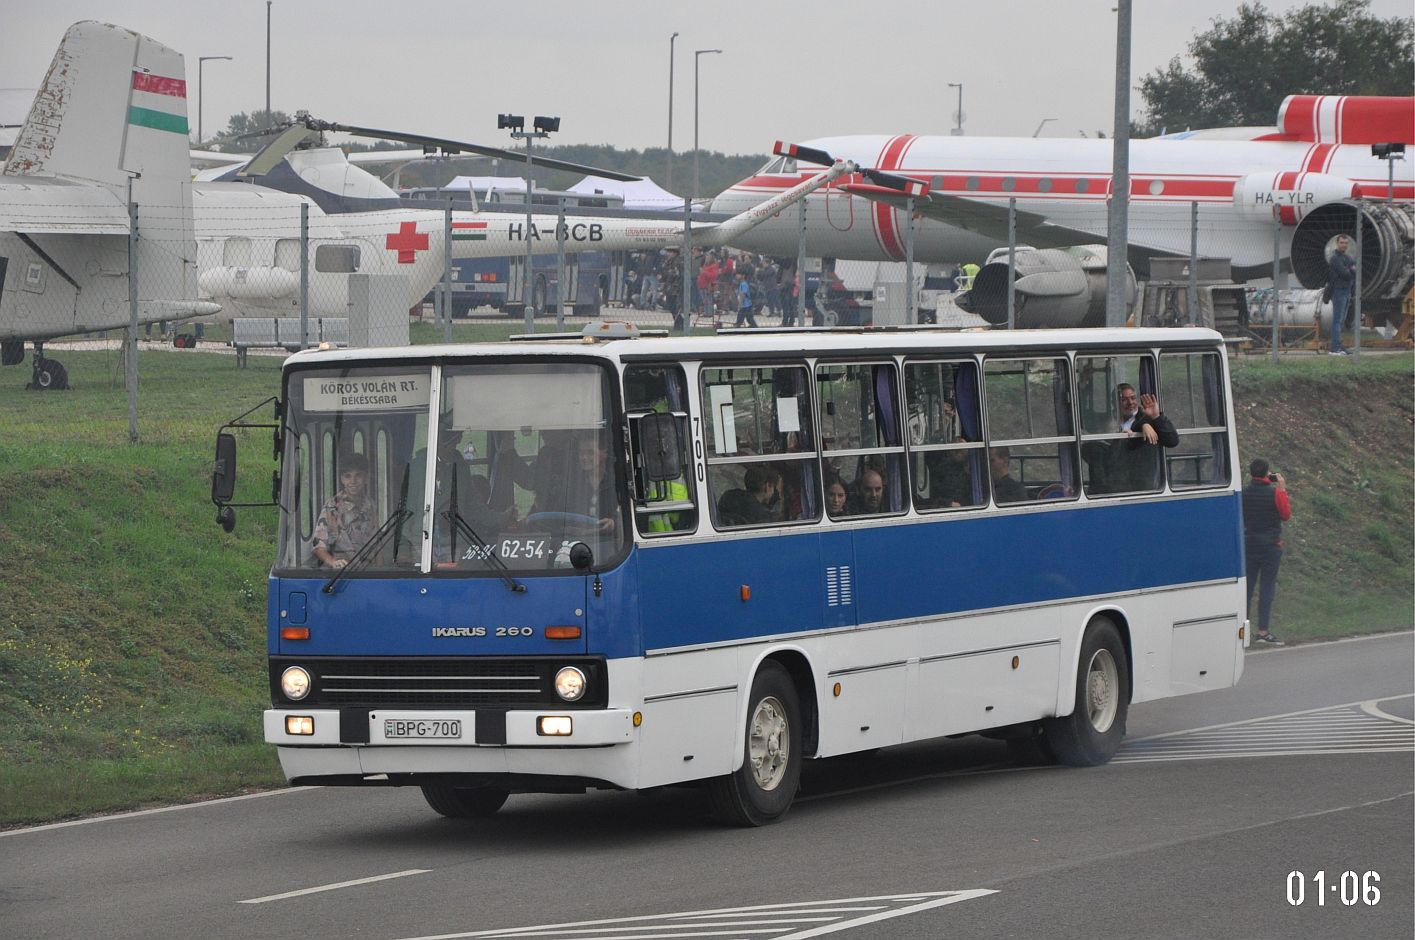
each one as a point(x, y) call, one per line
point(778, 921)
point(153, 812)
point(337, 886)
point(1351, 728)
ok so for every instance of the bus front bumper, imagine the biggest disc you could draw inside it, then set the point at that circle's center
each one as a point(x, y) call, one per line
point(599, 745)
point(403, 728)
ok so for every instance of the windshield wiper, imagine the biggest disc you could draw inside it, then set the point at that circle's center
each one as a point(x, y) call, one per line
point(461, 526)
point(379, 538)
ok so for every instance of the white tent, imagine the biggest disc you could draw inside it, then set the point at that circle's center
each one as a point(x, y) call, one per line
point(638, 194)
point(486, 184)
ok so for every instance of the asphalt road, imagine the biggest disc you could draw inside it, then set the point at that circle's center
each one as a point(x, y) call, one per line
point(1193, 831)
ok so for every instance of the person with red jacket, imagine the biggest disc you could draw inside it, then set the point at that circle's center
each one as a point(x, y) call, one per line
point(1265, 509)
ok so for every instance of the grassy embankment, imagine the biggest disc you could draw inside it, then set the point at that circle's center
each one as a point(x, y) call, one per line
point(132, 637)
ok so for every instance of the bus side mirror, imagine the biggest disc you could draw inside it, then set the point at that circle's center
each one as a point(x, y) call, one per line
point(660, 447)
point(223, 472)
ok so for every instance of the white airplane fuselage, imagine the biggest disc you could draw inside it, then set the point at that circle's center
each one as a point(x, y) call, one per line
point(1237, 185)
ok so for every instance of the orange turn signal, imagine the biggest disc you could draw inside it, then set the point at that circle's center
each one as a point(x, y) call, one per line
point(563, 632)
point(294, 633)
point(746, 591)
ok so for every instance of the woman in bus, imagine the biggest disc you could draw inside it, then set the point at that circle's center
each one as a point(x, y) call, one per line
point(348, 520)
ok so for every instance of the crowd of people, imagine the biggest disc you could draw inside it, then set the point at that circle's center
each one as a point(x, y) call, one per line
point(733, 284)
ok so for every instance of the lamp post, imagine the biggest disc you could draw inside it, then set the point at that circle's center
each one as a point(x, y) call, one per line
point(697, 55)
point(201, 86)
point(671, 40)
point(1389, 153)
point(1045, 122)
point(543, 127)
point(958, 118)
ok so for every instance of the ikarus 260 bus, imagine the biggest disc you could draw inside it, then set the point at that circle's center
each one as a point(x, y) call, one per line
point(624, 561)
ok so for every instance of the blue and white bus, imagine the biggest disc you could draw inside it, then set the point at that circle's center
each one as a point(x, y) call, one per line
point(631, 563)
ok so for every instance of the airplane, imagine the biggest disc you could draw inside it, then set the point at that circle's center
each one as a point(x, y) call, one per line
point(1307, 174)
point(103, 132)
point(107, 129)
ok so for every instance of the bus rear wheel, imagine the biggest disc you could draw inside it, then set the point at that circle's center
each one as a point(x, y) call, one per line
point(762, 789)
point(464, 802)
point(1092, 733)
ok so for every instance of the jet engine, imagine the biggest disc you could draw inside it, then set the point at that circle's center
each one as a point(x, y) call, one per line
point(1056, 287)
point(1387, 238)
point(254, 284)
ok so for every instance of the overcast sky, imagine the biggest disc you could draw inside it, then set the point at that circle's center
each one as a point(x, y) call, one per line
point(447, 67)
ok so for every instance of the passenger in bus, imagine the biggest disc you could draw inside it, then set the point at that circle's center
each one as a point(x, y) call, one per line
point(457, 488)
point(869, 494)
point(950, 482)
point(349, 519)
point(1131, 465)
point(1004, 488)
point(836, 497)
point(754, 502)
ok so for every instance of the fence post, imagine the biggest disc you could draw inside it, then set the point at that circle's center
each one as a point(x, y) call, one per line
point(801, 263)
point(911, 313)
point(1356, 289)
point(304, 275)
point(1193, 262)
point(1277, 268)
point(130, 342)
point(560, 278)
point(1012, 263)
point(686, 298)
point(446, 286)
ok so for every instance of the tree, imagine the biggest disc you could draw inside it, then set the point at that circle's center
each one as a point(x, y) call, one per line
point(1243, 67)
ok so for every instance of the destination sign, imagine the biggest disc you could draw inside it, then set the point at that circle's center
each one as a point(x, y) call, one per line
point(367, 393)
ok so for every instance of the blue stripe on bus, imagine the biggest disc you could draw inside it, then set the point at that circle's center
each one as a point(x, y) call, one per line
point(916, 570)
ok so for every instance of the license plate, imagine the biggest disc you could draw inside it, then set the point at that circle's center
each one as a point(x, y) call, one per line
point(422, 729)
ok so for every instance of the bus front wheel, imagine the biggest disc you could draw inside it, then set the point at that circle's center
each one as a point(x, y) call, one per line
point(761, 790)
point(464, 802)
point(1092, 733)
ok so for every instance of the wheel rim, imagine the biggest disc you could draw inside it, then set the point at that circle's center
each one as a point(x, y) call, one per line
point(1102, 690)
point(769, 744)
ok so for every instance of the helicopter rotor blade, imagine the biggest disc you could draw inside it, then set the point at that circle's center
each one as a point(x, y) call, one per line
point(461, 146)
point(275, 151)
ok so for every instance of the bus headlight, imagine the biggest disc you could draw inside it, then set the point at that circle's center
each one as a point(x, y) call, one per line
point(570, 684)
point(295, 683)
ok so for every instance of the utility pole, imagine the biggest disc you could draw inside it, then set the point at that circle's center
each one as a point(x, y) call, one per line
point(1117, 227)
point(669, 183)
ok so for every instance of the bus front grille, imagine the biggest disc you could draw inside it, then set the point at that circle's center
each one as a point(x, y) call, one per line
point(451, 682)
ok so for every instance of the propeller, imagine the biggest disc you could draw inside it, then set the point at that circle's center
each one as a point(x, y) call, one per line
point(903, 184)
point(304, 126)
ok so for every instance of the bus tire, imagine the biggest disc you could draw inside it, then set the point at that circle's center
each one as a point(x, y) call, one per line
point(761, 790)
point(464, 802)
point(1092, 733)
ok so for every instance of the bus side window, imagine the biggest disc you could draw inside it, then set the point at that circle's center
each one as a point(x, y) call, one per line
point(1192, 385)
point(948, 466)
point(860, 438)
point(1031, 440)
point(751, 413)
point(661, 506)
point(1111, 460)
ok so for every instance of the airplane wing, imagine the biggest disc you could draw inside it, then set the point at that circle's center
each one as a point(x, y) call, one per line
point(33, 205)
point(990, 220)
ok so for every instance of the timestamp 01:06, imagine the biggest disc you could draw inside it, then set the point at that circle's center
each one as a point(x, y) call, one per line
point(1350, 887)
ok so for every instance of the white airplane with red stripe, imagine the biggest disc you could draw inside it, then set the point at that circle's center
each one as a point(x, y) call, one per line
point(1305, 175)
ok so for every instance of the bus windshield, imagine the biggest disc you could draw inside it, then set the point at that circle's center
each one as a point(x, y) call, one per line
point(522, 467)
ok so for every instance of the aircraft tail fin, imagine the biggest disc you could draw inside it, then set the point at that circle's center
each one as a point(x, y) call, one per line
point(112, 108)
